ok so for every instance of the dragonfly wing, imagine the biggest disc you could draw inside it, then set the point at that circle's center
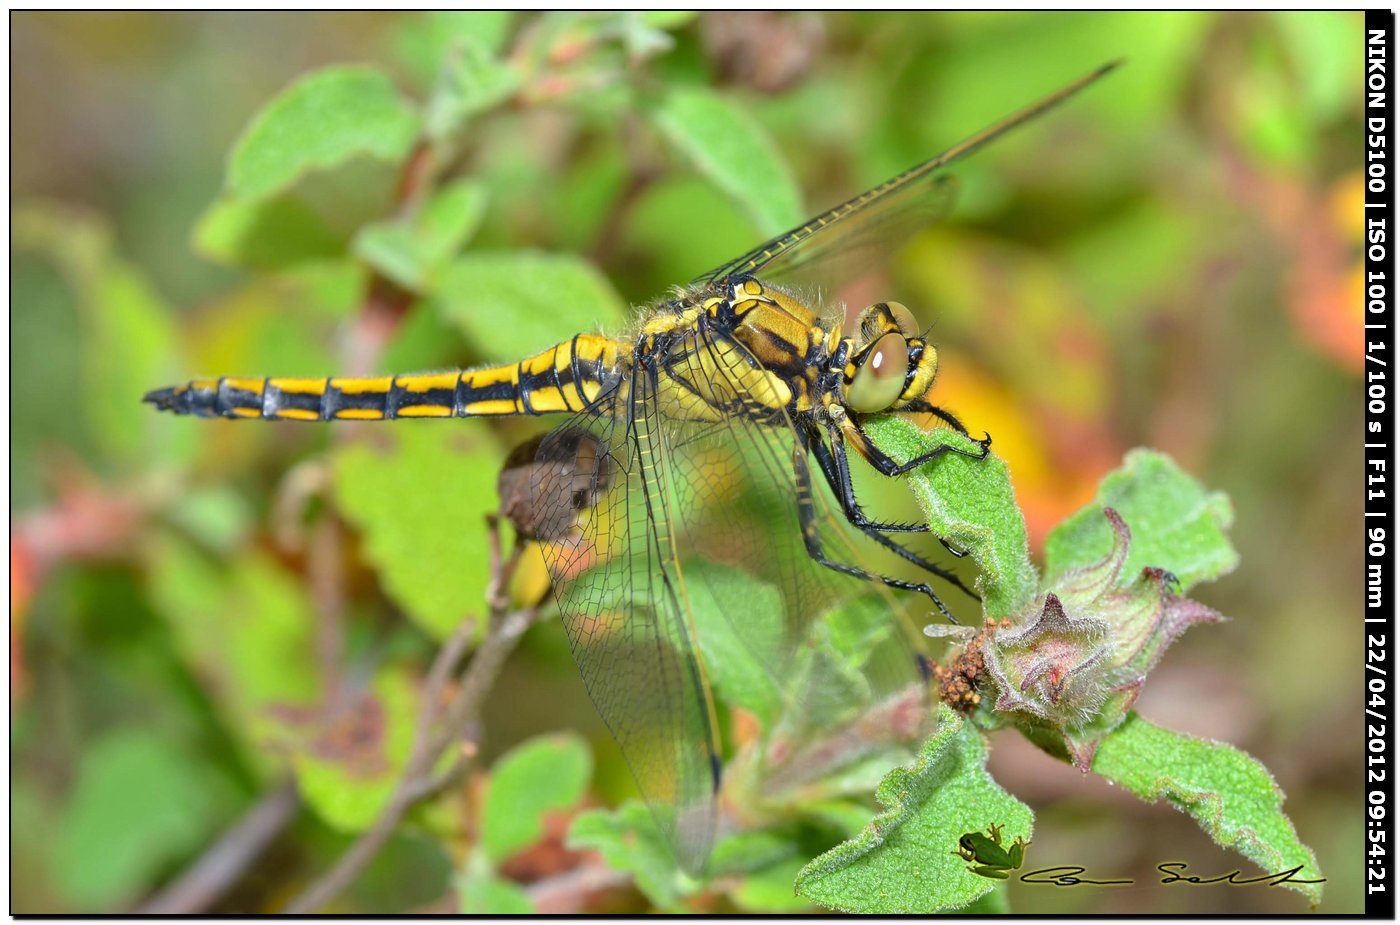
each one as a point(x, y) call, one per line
point(830, 251)
point(619, 590)
point(806, 649)
point(880, 220)
point(680, 559)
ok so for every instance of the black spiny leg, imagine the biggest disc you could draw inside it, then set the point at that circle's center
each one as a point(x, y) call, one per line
point(886, 465)
point(947, 417)
point(807, 515)
point(838, 476)
point(838, 473)
point(869, 451)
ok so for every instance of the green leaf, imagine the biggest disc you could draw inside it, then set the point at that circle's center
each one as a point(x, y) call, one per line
point(668, 19)
point(643, 38)
point(420, 493)
point(322, 120)
point(969, 503)
point(740, 663)
point(244, 626)
point(905, 859)
point(128, 344)
point(471, 81)
point(265, 234)
point(629, 841)
point(746, 852)
point(486, 893)
point(1320, 38)
point(139, 804)
point(1176, 524)
point(733, 152)
point(546, 774)
point(512, 304)
point(843, 667)
point(427, 41)
point(347, 766)
point(332, 289)
point(846, 815)
point(1229, 794)
point(410, 251)
point(757, 869)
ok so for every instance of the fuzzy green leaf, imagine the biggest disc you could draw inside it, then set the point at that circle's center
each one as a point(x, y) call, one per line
point(420, 494)
point(733, 152)
point(629, 840)
point(409, 251)
point(1229, 794)
point(512, 304)
point(969, 503)
point(904, 861)
point(1176, 524)
point(322, 120)
point(486, 893)
point(546, 774)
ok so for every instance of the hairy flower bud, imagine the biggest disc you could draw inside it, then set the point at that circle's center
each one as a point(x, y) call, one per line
point(1069, 669)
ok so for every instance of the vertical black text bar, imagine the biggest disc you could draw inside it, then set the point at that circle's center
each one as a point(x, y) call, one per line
point(1379, 526)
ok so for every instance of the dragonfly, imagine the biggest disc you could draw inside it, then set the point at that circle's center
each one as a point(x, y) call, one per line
point(714, 439)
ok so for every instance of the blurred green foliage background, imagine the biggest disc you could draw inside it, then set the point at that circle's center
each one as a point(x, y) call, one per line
point(1168, 261)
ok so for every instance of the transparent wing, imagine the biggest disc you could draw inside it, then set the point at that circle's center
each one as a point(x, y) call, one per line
point(855, 238)
point(687, 582)
point(832, 649)
point(860, 233)
point(620, 593)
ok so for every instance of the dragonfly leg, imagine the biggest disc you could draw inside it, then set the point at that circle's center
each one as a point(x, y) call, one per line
point(807, 515)
point(837, 470)
point(943, 414)
point(838, 476)
point(886, 465)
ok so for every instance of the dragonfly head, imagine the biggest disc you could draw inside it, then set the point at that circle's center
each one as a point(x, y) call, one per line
point(889, 363)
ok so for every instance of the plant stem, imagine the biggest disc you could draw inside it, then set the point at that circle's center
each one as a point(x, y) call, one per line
point(418, 781)
point(208, 878)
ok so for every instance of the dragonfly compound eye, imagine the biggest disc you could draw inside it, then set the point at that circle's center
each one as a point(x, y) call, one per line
point(904, 318)
point(879, 381)
point(875, 320)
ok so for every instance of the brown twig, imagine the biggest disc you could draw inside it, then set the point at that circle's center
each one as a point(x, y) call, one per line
point(435, 733)
point(208, 878)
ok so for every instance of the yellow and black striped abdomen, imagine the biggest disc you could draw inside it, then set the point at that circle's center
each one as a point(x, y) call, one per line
point(567, 377)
